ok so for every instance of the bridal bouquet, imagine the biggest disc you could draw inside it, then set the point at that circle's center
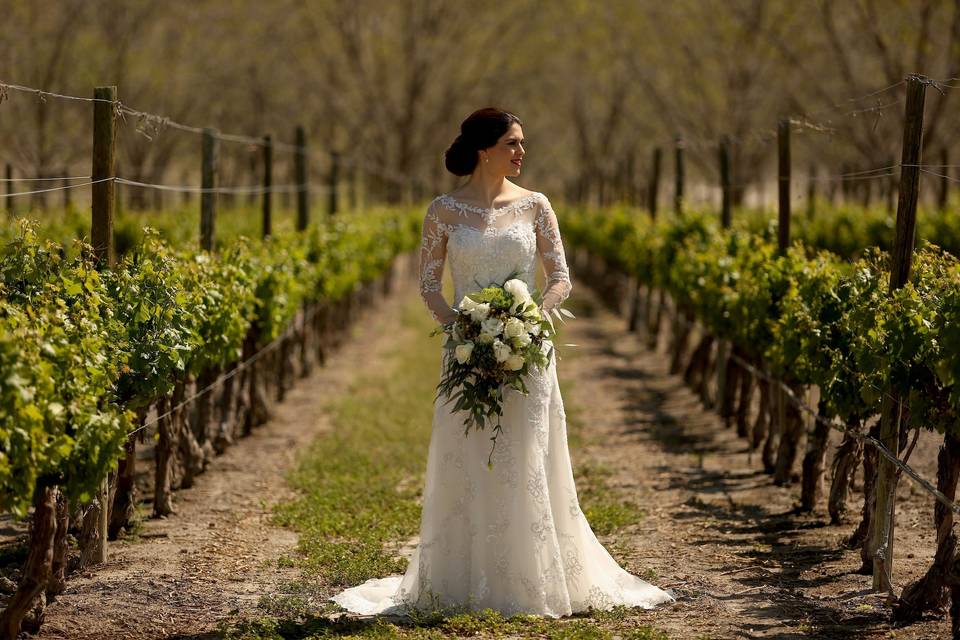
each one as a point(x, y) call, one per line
point(496, 338)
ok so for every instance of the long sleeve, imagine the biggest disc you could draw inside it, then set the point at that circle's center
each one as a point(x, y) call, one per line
point(550, 250)
point(433, 253)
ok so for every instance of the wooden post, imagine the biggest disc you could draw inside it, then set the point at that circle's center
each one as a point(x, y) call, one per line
point(303, 195)
point(944, 193)
point(629, 187)
point(104, 154)
point(654, 182)
point(334, 178)
point(725, 214)
point(812, 192)
point(783, 182)
point(901, 261)
point(678, 184)
point(208, 197)
point(66, 189)
point(267, 183)
point(10, 190)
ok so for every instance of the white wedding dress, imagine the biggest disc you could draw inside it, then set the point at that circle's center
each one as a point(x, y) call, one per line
point(512, 537)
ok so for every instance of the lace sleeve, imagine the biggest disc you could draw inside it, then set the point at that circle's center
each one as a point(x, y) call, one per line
point(433, 253)
point(550, 249)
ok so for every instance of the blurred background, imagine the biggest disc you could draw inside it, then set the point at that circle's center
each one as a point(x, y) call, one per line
point(598, 85)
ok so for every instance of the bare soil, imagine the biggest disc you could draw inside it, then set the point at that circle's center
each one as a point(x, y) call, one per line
point(717, 530)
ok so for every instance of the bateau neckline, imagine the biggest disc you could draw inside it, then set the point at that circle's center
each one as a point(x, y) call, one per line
point(480, 209)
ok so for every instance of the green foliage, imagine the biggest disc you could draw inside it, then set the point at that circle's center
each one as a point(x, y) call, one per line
point(81, 349)
point(808, 316)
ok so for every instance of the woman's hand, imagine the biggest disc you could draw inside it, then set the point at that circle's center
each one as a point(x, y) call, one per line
point(450, 318)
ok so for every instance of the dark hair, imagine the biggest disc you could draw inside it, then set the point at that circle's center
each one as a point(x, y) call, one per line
point(480, 130)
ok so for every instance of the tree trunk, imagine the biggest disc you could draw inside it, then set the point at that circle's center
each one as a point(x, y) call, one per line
point(167, 445)
point(845, 464)
point(284, 379)
point(654, 315)
point(728, 395)
point(634, 318)
point(762, 421)
point(193, 456)
point(743, 403)
point(681, 338)
point(812, 484)
point(305, 336)
point(790, 438)
point(774, 428)
point(226, 422)
point(259, 410)
point(123, 505)
point(39, 565)
point(695, 373)
point(92, 534)
point(929, 592)
point(58, 566)
point(863, 534)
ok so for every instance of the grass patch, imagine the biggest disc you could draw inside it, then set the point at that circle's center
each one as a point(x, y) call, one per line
point(604, 506)
point(483, 624)
point(360, 482)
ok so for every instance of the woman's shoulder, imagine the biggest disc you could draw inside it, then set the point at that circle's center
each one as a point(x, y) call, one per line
point(520, 194)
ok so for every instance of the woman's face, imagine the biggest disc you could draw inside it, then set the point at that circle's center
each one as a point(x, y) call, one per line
point(505, 157)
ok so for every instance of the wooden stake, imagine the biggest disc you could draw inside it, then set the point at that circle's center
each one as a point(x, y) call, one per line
point(654, 182)
point(267, 183)
point(678, 185)
point(208, 197)
point(783, 183)
point(303, 195)
point(10, 189)
point(901, 261)
point(334, 179)
point(725, 213)
point(104, 154)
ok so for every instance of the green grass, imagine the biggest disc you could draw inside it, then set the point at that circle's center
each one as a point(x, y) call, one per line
point(360, 484)
point(485, 624)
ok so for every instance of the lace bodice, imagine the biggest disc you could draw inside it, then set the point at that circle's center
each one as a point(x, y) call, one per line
point(484, 246)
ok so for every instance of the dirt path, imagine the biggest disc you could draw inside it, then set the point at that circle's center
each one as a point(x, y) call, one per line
point(716, 529)
point(218, 553)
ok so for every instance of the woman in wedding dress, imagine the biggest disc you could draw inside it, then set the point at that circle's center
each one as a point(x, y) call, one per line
point(511, 538)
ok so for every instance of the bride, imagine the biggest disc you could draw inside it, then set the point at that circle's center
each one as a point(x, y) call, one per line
point(512, 537)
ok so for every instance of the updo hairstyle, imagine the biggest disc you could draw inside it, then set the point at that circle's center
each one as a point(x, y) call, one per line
point(480, 130)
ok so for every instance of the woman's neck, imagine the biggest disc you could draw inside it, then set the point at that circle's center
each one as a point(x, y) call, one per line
point(485, 189)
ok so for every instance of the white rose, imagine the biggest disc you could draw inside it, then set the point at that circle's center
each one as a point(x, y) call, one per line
point(514, 328)
point(517, 288)
point(491, 326)
point(463, 352)
point(480, 312)
point(501, 351)
point(533, 328)
point(514, 363)
point(485, 338)
point(467, 304)
point(523, 339)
